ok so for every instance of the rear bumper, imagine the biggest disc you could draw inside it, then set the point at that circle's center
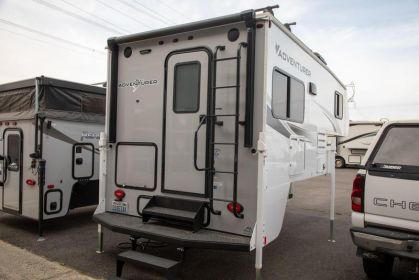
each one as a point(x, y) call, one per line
point(178, 236)
point(390, 242)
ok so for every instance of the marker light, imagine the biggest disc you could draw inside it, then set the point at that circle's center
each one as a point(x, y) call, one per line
point(51, 186)
point(119, 194)
point(239, 208)
point(30, 182)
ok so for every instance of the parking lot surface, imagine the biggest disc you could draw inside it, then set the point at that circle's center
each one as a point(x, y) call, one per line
point(302, 250)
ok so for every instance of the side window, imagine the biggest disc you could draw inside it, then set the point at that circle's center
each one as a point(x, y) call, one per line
point(187, 78)
point(296, 101)
point(288, 95)
point(279, 95)
point(338, 105)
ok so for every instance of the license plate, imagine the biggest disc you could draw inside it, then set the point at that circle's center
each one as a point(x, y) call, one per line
point(120, 207)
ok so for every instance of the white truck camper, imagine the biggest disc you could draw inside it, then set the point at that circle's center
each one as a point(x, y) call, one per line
point(350, 150)
point(385, 201)
point(207, 126)
point(49, 131)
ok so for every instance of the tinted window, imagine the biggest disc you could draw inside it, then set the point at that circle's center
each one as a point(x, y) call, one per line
point(186, 87)
point(400, 147)
point(13, 152)
point(338, 105)
point(288, 96)
point(296, 101)
point(279, 95)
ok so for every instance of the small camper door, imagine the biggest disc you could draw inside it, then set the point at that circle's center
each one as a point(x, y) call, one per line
point(12, 169)
point(186, 97)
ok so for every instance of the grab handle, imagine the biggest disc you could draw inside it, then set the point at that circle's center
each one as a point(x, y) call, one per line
point(202, 120)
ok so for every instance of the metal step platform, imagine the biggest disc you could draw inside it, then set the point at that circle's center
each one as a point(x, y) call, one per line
point(183, 211)
point(168, 266)
point(177, 236)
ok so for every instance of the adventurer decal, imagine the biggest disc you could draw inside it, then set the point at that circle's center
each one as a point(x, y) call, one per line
point(138, 83)
point(291, 60)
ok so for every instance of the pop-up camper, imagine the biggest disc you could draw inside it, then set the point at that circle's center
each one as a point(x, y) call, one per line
point(208, 124)
point(49, 138)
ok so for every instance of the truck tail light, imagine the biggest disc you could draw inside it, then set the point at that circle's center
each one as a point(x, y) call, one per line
point(357, 195)
point(119, 194)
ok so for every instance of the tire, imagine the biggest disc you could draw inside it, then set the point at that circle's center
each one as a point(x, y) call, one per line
point(339, 162)
point(376, 270)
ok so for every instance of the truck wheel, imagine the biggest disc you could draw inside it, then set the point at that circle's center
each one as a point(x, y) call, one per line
point(339, 162)
point(378, 269)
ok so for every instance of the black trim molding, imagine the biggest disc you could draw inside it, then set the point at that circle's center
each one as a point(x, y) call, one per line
point(73, 160)
point(46, 201)
point(146, 144)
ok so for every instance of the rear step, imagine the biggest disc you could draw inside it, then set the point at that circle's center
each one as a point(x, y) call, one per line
point(169, 267)
point(183, 211)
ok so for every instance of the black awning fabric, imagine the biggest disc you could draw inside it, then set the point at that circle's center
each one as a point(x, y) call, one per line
point(72, 104)
point(80, 103)
point(17, 100)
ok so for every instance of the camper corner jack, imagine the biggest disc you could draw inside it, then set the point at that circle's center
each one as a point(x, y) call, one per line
point(41, 180)
point(102, 187)
point(332, 172)
point(259, 222)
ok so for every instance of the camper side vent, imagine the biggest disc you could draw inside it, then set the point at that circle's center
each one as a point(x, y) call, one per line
point(312, 88)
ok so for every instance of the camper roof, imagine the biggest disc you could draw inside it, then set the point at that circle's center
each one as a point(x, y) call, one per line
point(42, 80)
point(248, 17)
point(52, 98)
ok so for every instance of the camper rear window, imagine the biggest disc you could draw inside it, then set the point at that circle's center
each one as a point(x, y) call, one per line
point(399, 147)
point(288, 95)
point(187, 78)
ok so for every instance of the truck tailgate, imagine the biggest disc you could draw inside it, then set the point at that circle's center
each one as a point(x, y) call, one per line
point(391, 198)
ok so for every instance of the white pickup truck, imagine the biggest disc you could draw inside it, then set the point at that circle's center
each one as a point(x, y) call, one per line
point(385, 200)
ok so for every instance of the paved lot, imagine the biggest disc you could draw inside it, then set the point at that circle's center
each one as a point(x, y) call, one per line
point(301, 252)
point(19, 264)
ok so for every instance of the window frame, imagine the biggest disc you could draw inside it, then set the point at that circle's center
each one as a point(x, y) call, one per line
point(338, 97)
point(193, 62)
point(288, 107)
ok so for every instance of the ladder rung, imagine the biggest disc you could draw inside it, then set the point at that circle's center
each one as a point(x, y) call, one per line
point(227, 58)
point(226, 87)
point(226, 172)
point(223, 143)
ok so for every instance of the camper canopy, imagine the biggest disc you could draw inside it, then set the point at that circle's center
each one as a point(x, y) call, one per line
point(52, 98)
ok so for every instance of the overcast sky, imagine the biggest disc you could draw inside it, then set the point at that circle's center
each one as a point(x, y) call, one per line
point(374, 44)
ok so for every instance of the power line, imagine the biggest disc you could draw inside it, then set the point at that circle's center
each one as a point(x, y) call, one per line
point(122, 13)
point(41, 41)
point(51, 36)
point(156, 13)
point(74, 15)
point(172, 8)
point(95, 16)
point(142, 11)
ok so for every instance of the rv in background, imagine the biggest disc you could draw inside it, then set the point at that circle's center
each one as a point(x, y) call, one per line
point(350, 150)
point(49, 137)
point(208, 125)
